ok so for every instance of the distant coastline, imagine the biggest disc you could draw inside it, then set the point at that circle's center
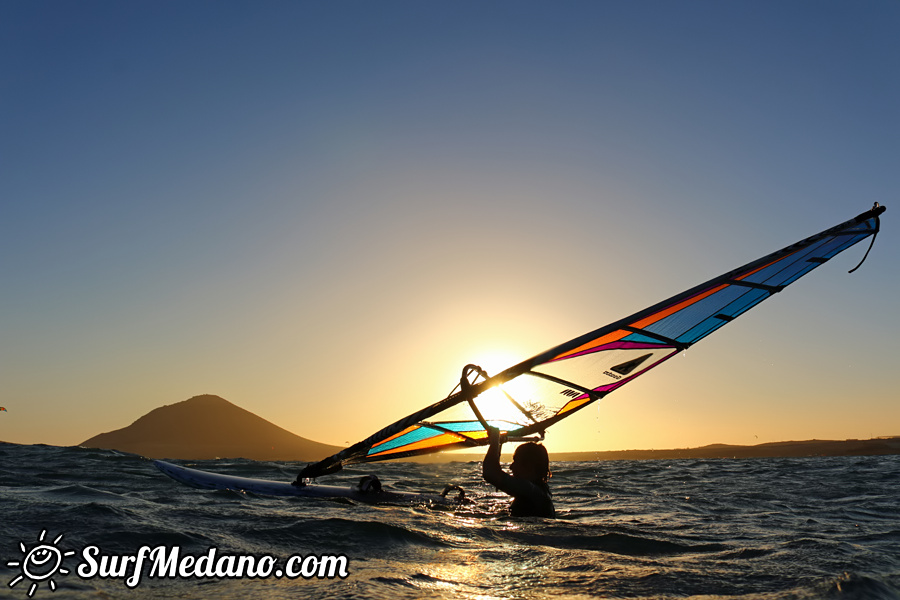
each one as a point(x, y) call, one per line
point(207, 426)
point(794, 449)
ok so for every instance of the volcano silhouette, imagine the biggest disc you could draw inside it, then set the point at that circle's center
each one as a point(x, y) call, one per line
point(205, 427)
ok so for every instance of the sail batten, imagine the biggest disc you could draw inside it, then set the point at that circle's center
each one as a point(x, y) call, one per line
point(529, 397)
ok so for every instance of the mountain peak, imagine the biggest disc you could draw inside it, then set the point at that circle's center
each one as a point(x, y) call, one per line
point(208, 426)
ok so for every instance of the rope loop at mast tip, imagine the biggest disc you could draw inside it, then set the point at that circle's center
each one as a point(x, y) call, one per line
point(874, 235)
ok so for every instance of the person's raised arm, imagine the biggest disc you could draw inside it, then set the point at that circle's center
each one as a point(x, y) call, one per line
point(490, 466)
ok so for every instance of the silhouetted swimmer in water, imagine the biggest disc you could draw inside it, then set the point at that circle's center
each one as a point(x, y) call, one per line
point(527, 484)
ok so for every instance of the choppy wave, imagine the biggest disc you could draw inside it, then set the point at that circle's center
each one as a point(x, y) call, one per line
point(749, 529)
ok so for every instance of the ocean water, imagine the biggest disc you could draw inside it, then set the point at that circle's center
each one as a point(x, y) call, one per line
point(749, 529)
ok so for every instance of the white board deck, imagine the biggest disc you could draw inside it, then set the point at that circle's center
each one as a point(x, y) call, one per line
point(266, 487)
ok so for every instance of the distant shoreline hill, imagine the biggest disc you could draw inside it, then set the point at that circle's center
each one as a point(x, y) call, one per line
point(206, 427)
point(807, 448)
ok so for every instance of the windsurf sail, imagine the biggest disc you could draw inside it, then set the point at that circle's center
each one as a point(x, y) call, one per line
point(527, 398)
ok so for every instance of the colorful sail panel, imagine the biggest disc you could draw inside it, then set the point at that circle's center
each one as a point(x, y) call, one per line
point(432, 435)
point(527, 398)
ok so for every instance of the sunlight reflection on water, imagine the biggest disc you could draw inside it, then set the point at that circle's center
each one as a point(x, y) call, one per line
point(758, 529)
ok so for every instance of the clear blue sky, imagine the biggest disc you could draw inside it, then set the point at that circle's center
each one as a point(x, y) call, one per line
point(322, 210)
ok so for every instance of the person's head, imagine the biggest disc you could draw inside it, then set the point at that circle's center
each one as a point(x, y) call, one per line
point(531, 461)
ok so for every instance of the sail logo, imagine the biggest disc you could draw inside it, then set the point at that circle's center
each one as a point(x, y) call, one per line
point(44, 560)
point(627, 367)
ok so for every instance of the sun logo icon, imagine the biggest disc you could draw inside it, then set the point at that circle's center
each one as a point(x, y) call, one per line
point(41, 563)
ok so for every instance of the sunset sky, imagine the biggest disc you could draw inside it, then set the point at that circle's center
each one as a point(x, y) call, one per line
point(321, 211)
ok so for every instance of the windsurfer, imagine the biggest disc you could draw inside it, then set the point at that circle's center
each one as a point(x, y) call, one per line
point(528, 482)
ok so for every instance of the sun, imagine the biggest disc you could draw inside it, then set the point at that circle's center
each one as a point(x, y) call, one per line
point(493, 361)
point(41, 563)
